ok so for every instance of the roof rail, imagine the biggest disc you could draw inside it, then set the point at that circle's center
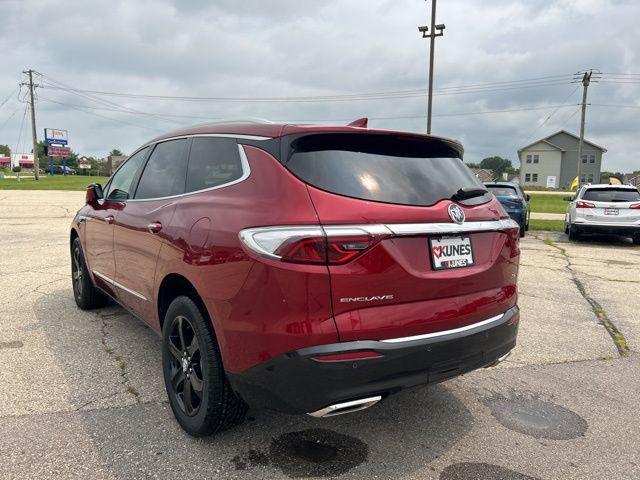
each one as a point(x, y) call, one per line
point(256, 120)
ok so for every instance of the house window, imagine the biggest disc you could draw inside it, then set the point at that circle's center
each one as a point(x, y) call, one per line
point(590, 178)
point(534, 177)
point(592, 159)
point(583, 179)
point(527, 177)
point(528, 158)
point(536, 159)
point(584, 158)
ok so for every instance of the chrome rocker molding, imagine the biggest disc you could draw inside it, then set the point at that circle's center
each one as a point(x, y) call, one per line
point(443, 333)
point(346, 407)
point(119, 285)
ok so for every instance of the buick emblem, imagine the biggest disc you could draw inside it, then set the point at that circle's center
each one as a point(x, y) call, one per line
point(456, 214)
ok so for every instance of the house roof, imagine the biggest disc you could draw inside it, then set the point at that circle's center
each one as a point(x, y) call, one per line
point(546, 140)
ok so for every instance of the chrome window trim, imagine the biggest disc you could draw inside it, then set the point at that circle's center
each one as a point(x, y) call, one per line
point(446, 228)
point(217, 135)
point(119, 285)
point(446, 332)
point(246, 171)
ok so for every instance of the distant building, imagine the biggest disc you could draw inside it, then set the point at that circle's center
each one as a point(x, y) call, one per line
point(632, 179)
point(553, 161)
point(5, 162)
point(113, 162)
point(25, 160)
point(483, 174)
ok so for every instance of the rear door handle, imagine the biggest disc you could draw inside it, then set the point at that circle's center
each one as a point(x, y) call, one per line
point(109, 219)
point(154, 227)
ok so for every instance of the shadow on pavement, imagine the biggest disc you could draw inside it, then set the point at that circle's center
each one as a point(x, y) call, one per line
point(111, 363)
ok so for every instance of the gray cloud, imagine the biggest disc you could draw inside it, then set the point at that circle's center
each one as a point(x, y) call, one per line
point(308, 47)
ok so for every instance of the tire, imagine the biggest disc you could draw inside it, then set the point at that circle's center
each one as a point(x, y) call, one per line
point(523, 228)
point(85, 293)
point(566, 228)
point(199, 393)
point(574, 234)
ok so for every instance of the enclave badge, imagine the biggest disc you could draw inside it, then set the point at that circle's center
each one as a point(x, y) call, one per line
point(456, 214)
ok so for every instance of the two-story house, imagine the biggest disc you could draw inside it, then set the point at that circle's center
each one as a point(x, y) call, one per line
point(553, 161)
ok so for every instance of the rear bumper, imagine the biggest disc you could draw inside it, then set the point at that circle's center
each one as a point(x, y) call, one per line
point(608, 228)
point(297, 383)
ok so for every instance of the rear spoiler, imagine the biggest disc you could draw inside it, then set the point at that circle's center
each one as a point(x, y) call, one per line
point(360, 122)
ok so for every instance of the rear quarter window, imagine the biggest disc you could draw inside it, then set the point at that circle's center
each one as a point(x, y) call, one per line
point(385, 168)
point(213, 162)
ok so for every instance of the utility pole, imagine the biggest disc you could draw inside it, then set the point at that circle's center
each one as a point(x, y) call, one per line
point(36, 163)
point(436, 31)
point(586, 79)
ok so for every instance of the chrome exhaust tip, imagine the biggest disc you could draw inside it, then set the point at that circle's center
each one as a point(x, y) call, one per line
point(346, 407)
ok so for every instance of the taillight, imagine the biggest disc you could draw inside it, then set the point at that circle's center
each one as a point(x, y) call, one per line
point(635, 206)
point(516, 200)
point(583, 204)
point(514, 241)
point(312, 245)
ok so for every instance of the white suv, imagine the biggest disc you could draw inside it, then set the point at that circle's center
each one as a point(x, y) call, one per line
point(612, 209)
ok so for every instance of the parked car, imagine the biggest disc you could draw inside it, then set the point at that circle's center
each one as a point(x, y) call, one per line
point(609, 209)
point(308, 269)
point(59, 170)
point(514, 201)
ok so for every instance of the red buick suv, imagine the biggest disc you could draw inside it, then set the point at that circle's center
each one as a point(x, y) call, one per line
point(308, 269)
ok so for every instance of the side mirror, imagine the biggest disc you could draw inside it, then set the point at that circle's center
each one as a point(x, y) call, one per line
point(94, 193)
point(528, 197)
point(568, 199)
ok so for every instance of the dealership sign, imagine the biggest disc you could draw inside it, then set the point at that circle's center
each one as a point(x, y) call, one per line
point(58, 151)
point(54, 136)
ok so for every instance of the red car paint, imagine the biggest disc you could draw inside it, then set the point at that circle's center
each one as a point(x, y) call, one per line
point(262, 308)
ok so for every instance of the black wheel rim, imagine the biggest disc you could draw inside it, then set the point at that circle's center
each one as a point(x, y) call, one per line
point(76, 271)
point(185, 370)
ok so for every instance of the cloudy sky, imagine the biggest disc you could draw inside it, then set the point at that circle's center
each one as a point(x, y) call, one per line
point(496, 55)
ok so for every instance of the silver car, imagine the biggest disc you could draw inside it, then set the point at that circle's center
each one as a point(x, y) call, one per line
point(609, 209)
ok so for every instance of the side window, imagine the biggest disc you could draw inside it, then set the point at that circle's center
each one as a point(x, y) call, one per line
point(119, 188)
point(165, 172)
point(213, 162)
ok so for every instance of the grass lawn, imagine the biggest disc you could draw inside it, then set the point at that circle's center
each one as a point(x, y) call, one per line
point(549, 225)
point(48, 182)
point(543, 203)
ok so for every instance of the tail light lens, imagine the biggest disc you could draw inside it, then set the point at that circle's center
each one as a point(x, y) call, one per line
point(516, 200)
point(583, 204)
point(635, 206)
point(312, 245)
point(514, 241)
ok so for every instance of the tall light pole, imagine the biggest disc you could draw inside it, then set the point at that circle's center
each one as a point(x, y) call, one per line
point(432, 33)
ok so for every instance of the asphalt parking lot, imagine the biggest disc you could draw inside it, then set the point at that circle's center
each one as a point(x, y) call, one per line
point(81, 393)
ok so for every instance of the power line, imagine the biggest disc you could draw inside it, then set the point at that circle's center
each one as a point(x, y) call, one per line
point(9, 118)
point(482, 112)
point(454, 90)
point(10, 95)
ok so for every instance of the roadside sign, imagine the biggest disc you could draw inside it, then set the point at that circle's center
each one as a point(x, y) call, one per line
point(551, 181)
point(58, 151)
point(54, 136)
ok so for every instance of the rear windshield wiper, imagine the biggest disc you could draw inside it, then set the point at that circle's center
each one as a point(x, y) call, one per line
point(468, 192)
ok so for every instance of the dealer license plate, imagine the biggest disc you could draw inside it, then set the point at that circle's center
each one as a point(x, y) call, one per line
point(451, 252)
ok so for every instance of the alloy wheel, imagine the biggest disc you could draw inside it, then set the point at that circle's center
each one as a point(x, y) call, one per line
point(77, 271)
point(186, 384)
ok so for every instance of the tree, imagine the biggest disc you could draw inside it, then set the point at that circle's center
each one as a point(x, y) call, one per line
point(472, 165)
point(5, 151)
point(116, 153)
point(498, 165)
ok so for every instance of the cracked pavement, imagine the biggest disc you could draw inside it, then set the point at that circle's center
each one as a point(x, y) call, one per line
point(81, 393)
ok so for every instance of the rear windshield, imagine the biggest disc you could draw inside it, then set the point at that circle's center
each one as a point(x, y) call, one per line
point(502, 190)
point(611, 195)
point(382, 167)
